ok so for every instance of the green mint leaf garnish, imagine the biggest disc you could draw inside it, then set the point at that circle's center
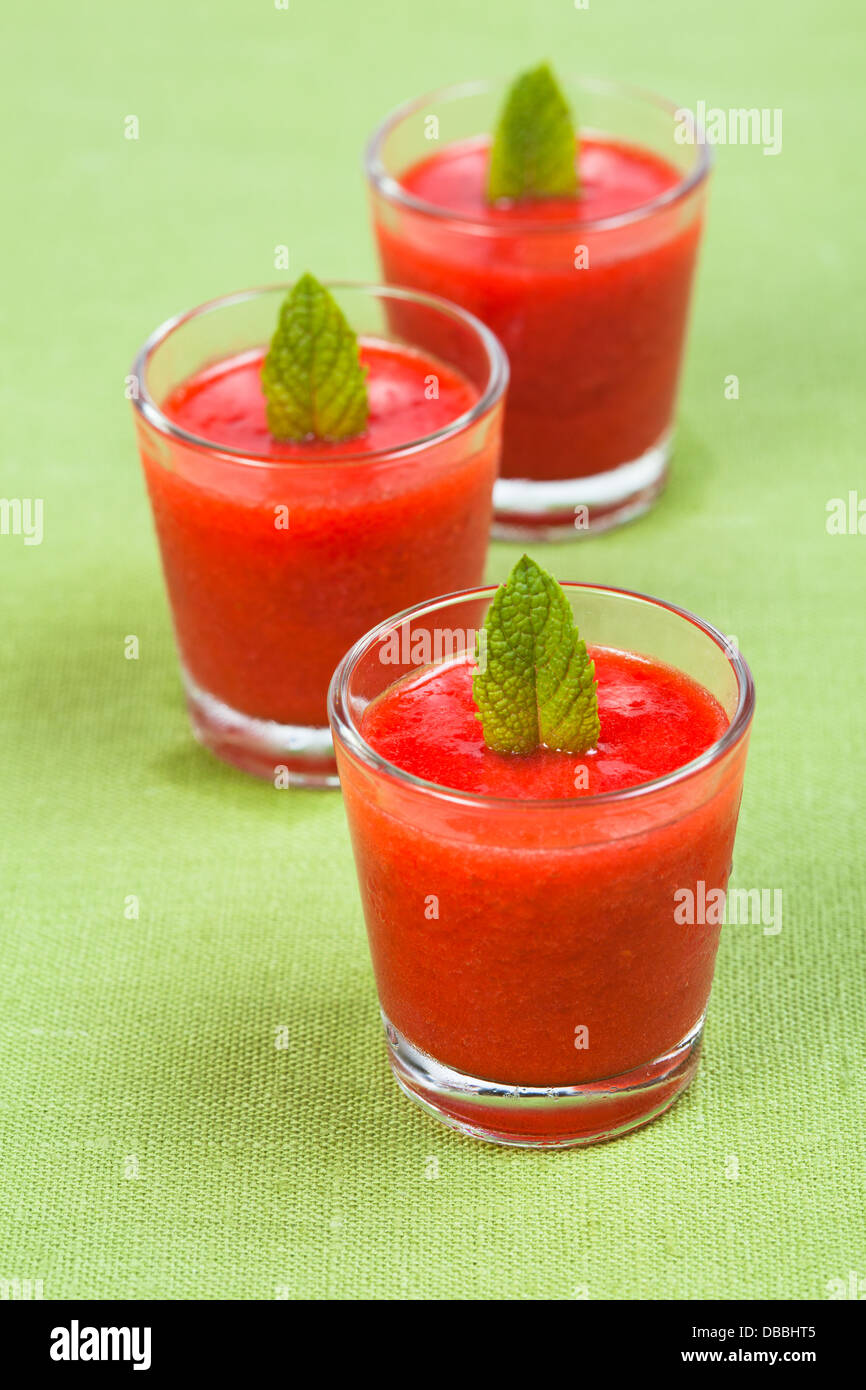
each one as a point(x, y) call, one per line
point(533, 154)
point(312, 376)
point(536, 685)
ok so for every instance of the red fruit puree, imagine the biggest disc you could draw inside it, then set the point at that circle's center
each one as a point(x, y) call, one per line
point(594, 351)
point(276, 566)
point(547, 918)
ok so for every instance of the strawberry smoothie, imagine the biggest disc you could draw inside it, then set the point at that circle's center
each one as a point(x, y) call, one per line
point(520, 909)
point(589, 294)
point(279, 555)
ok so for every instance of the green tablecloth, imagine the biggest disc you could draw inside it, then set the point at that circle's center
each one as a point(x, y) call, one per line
point(153, 1140)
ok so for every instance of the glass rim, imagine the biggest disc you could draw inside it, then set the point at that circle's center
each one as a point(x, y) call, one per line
point(392, 189)
point(345, 728)
point(493, 391)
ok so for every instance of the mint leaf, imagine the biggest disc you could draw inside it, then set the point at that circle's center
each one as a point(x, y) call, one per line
point(537, 685)
point(312, 376)
point(533, 152)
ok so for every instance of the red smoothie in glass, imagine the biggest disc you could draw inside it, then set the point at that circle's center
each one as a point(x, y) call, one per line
point(532, 940)
point(595, 351)
point(541, 976)
point(276, 566)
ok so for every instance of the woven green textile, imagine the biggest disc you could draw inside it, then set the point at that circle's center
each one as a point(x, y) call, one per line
point(154, 1141)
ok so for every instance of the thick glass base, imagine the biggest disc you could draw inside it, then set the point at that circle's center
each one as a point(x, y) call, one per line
point(570, 508)
point(544, 1117)
point(291, 755)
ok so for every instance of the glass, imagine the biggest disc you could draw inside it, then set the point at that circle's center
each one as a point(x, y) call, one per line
point(275, 566)
point(551, 917)
point(592, 313)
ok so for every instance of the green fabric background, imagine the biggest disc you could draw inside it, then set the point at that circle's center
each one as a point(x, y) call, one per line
point(149, 1044)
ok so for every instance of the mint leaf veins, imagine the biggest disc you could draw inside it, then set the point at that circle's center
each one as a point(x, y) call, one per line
point(312, 376)
point(537, 686)
point(533, 151)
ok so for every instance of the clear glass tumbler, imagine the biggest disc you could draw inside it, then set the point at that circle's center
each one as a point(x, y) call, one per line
point(274, 565)
point(592, 311)
point(555, 997)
